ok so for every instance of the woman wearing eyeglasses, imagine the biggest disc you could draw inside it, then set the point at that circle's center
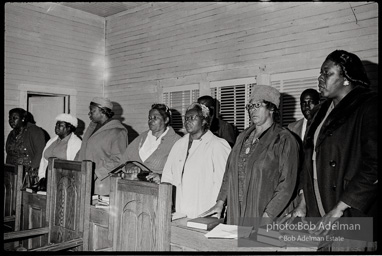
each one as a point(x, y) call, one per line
point(261, 171)
point(152, 147)
point(196, 163)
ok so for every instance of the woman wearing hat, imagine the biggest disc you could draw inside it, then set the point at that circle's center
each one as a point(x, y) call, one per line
point(64, 146)
point(153, 146)
point(261, 171)
point(104, 142)
point(195, 165)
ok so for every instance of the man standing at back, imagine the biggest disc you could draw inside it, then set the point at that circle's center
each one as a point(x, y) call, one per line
point(308, 100)
point(218, 126)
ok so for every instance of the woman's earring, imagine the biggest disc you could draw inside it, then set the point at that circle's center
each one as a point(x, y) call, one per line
point(346, 83)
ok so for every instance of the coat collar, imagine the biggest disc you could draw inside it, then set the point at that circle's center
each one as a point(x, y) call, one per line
point(112, 124)
point(344, 109)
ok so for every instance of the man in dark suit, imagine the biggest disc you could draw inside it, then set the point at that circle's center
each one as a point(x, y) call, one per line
point(308, 100)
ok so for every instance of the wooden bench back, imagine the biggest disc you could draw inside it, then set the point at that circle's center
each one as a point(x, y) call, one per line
point(13, 176)
point(140, 215)
point(68, 200)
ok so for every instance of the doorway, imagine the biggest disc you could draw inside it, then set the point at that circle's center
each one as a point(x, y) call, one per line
point(45, 108)
point(46, 102)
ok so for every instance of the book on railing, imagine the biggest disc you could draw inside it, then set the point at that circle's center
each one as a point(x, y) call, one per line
point(271, 240)
point(288, 235)
point(29, 190)
point(41, 192)
point(104, 198)
point(205, 223)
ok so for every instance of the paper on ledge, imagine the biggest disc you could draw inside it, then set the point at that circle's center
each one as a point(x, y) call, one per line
point(229, 231)
point(177, 215)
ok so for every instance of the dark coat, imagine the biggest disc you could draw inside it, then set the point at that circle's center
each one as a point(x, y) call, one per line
point(34, 143)
point(270, 176)
point(346, 154)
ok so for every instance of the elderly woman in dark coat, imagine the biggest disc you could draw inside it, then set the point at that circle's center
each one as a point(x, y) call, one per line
point(340, 171)
point(261, 171)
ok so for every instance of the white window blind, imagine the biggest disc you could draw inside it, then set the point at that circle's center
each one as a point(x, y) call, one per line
point(291, 85)
point(178, 98)
point(232, 96)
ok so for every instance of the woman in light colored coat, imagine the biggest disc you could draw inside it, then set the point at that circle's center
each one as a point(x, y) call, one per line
point(64, 146)
point(104, 142)
point(196, 164)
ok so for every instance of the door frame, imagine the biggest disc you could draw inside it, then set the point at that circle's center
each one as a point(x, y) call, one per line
point(40, 89)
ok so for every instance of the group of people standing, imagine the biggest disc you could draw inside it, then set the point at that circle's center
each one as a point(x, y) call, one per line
point(324, 165)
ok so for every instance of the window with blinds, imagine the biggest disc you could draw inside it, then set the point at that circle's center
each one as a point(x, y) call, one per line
point(178, 99)
point(232, 96)
point(291, 85)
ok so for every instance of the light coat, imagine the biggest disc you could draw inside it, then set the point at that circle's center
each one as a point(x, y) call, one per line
point(105, 148)
point(198, 187)
point(74, 144)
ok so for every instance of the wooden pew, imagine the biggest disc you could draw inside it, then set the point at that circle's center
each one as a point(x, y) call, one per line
point(139, 216)
point(13, 176)
point(67, 208)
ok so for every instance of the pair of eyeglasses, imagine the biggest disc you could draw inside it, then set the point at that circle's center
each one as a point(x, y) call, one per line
point(250, 106)
point(190, 118)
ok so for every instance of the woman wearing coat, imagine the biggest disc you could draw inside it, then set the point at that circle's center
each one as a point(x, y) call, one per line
point(340, 171)
point(153, 146)
point(104, 142)
point(261, 171)
point(64, 146)
point(195, 165)
point(25, 142)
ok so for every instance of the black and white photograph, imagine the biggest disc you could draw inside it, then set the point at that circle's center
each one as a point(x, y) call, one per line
point(203, 127)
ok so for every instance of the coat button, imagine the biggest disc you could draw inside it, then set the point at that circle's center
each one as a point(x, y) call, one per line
point(334, 188)
point(332, 163)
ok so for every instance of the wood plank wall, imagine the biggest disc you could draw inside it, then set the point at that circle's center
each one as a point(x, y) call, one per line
point(56, 46)
point(163, 44)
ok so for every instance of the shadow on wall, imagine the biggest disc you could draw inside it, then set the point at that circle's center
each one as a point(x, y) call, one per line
point(30, 119)
point(80, 128)
point(288, 108)
point(177, 122)
point(118, 111)
point(372, 73)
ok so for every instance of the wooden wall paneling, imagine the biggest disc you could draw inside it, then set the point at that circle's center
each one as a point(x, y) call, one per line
point(53, 45)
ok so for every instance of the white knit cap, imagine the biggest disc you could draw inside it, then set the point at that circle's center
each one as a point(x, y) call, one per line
point(67, 118)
